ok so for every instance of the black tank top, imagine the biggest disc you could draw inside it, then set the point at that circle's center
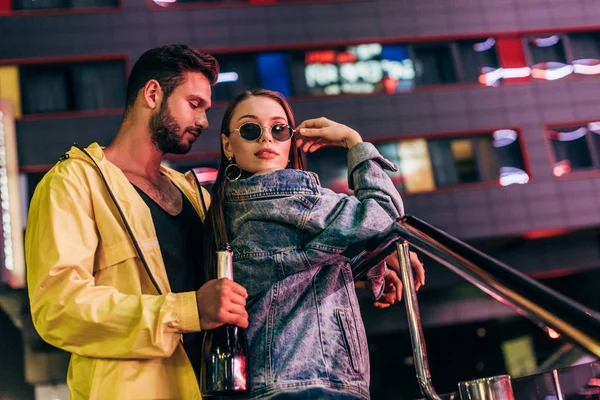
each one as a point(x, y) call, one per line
point(180, 240)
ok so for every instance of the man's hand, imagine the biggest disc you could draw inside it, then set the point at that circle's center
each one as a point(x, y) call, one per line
point(221, 302)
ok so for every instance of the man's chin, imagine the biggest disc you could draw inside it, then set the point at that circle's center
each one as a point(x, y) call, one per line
point(180, 148)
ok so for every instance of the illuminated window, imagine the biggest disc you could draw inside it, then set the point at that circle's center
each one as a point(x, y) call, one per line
point(575, 147)
point(356, 69)
point(415, 173)
point(365, 68)
point(425, 165)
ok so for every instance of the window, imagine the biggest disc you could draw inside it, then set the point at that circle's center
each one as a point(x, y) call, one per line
point(357, 68)
point(546, 49)
point(548, 58)
point(477, 57)
point(433, 64)
point(426, 165)
point(365, 68)
point(575, 147)
point(585, 48)
point(174, 3)
point(61, 87)
point(61, 4)
point(585, 45)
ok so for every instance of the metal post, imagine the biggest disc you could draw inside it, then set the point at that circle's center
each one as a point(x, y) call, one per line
point(414, 323)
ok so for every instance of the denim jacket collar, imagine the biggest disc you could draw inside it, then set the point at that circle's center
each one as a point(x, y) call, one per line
point(281, 182)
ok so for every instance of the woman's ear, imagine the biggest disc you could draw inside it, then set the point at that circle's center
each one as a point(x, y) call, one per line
point(226, 145)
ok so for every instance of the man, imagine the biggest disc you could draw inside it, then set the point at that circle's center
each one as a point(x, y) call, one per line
point(112, 244)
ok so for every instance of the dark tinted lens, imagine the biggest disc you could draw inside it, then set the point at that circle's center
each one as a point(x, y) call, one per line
point(250, 131)
point(281, 132)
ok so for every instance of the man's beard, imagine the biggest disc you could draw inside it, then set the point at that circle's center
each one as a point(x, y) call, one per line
point(166, 134)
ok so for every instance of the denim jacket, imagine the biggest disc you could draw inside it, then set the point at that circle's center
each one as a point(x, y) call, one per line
point(292, 241)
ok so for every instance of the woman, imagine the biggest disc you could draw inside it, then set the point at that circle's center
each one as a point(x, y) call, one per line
point(293, 240)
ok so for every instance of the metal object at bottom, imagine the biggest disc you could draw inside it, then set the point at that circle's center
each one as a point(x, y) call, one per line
point(492, 388)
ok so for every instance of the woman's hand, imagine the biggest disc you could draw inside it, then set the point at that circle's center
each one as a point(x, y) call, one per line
point(416, 264)
point(319, 132)
point(392, 291)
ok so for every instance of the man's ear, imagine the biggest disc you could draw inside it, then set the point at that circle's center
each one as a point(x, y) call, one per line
point(227, 149)
point(152, 94)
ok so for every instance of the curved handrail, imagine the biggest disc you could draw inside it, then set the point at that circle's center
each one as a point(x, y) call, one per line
point(542, 305)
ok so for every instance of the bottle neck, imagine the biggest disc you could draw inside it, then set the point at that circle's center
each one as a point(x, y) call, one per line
point(225, 264)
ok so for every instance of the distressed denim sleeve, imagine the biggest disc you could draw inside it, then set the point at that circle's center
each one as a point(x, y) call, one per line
point(339, 226)
point(375, 279)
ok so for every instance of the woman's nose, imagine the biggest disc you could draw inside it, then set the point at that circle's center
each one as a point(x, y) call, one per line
point(266, 135)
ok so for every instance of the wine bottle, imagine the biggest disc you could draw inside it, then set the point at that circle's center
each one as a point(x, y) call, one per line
point(225, 349)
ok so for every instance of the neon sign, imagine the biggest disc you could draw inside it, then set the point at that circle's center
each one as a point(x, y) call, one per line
point(358, 69)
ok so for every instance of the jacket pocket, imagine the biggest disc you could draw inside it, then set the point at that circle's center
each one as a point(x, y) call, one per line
point(114, 254)
point(349, 333)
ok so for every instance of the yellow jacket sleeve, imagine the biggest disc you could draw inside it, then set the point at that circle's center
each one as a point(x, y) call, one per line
point(69, 310)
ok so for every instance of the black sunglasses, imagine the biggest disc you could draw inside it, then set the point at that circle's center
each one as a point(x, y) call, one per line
point(253, 131)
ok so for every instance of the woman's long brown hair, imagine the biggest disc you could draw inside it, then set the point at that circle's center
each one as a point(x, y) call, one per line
point(215, 229)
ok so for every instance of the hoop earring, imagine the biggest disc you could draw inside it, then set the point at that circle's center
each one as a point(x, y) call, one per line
point(232, 172)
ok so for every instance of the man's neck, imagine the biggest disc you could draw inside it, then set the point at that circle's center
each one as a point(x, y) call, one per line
point(133, 152)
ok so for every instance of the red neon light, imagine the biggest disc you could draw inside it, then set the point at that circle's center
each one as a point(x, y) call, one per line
point(5, 7)
point(511, 55)
point(320, 57)
point(390, 84)
point(545, 233)
point(346, 58)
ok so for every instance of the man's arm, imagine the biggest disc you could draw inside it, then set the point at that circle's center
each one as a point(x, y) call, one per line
point(69, 310)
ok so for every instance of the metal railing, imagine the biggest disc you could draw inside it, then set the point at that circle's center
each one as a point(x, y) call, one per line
point(544, 306)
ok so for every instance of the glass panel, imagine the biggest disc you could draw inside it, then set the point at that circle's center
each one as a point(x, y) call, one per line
point(425, 165)
point(44, 89)
point(464, 156)
point(238, 73)
point(476, 55)
point(93, 3)
point(415, 166)
point(99, 85)
point(585, 45)
point(273, 71)
point(547, 49)
point(39, 4)
point(571, 148)
point(442, 162)
point(433, 64)
point(72, 87)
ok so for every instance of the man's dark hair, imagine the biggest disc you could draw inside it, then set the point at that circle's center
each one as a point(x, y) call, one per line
point(168, 64)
